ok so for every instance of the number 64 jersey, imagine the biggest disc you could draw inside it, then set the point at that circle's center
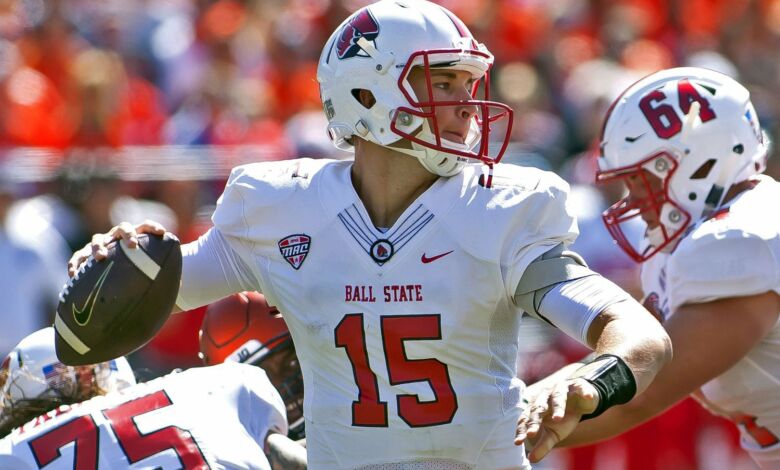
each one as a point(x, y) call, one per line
point(734, 253)
point(407, 337)
point(207, 417)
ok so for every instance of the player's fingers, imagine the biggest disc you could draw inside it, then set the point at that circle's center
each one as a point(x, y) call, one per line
point(98, 246)
point(150, 226)
point(522, 426)
point(78, 258)
point(558, 398)
point(531, 418)
point(544, 445)
point(125, 231)
point(536, 416)
point(532, 429)
point(583, 396)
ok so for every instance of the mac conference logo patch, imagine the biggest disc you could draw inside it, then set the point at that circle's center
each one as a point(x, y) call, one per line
point(294, 248)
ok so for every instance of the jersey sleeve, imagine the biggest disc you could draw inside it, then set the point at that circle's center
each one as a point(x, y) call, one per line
point(211, 270)
point(264, 406)
point(223, 260)
point(715, 265)
point(543, 220)
point(7, 459)
point(9, 462)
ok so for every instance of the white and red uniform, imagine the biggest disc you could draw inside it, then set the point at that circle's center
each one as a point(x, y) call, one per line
point(735, 253)
point(407, 337)
point(210, 417)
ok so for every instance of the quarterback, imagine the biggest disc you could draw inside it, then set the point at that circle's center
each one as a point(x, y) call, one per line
point(688, 146)
point(403, 275)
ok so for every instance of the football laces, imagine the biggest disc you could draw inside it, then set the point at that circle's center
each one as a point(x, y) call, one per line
point(66, 287)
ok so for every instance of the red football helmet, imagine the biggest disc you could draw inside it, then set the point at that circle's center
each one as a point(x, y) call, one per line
point(244, 328)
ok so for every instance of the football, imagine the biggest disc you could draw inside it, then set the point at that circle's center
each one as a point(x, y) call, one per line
point(114, 306)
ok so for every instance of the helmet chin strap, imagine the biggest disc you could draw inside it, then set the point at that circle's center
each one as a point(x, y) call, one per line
point(436, 161)
point(655, 237)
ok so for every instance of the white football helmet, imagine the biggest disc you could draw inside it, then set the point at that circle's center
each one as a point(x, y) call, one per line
point(693, 128)
point(32, 372)
point(375, 49)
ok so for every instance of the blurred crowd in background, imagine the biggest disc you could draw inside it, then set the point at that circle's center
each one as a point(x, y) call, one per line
point(131, 109)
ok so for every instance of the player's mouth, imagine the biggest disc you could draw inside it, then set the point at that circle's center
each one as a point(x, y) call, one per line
point(454, 136)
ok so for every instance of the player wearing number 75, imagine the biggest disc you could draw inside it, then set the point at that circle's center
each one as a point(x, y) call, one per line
point(96, 416)
point(687, 144)
point(403, 275)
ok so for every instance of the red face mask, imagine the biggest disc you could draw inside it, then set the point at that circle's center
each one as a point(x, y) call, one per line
point(489, 116)
point(648, 195)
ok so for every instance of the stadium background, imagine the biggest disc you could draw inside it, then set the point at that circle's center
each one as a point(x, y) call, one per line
point(124, 110)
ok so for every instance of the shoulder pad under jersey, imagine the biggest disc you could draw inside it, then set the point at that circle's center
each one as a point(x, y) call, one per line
point(524, 213)
point(257, 192)
point(719, 260)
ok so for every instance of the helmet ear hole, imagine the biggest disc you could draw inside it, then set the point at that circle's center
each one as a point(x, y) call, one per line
point(364, 97)
point(704, 170)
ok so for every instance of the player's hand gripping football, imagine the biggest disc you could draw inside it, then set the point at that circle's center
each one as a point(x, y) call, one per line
point(97, 247)
point(552, 414)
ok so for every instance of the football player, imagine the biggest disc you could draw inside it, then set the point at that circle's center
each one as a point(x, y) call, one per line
point(403, 274)
point(33, 381)
point(244, 328)
point(224, 416)
point(687, 144)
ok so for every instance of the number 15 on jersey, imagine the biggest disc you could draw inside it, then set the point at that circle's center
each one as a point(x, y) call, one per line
point(369, 409)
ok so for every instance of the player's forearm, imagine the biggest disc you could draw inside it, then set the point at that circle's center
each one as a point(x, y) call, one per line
point(613, 422)
point(284, 453)
point(627, 330)
point(532, 390)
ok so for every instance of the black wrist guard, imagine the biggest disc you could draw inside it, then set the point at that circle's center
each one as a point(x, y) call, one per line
point(612, 378)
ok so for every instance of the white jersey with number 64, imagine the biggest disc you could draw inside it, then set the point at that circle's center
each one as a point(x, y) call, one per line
point(735, 253)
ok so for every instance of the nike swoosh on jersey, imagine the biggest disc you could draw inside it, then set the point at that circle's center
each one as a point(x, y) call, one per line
point(89, 304)
point(427, 260)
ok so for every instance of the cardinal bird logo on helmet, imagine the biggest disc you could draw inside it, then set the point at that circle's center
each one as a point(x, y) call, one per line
point(362, 25)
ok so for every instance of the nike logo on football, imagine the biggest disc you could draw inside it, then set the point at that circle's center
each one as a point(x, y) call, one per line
point(634, 139)
point(427, 260)
point(84, 314)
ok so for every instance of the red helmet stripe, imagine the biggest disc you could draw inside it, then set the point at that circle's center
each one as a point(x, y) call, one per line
point(462, 29)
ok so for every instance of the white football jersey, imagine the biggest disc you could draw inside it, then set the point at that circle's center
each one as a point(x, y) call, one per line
point(735, 253)
point(208, 417)
point(407, 337)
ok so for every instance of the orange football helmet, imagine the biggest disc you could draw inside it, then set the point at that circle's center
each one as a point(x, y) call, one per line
point(244, 328)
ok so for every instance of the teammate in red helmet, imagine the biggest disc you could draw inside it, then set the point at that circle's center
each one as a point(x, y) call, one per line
point(244, 328)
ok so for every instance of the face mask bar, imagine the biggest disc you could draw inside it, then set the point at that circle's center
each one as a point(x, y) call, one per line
point(289, 384)
point(488, 112)
point(653, 202)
